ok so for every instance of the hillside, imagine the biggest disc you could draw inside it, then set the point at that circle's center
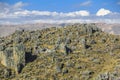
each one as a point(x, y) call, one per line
point(73, 52)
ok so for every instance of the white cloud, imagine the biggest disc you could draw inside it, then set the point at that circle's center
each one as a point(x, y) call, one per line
point(22, 13)
point(19, 5)
point(77, 13)
point(87, 3)
point(44, 13)
point(60, 21)
point(47, 13)
point(103, 12)
point(10, 14)
point(7, 10)
point(35, 13)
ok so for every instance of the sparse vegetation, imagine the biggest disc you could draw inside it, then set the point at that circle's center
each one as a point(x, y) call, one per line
point(73, 52)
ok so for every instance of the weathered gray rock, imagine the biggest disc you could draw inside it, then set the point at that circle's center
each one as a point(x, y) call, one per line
point(83, 42)
point(63, 46)
point(92, 42)
point(13, 57)
point(103, 40)
point(59, 67)
point(7, 57)
point(65, 71)
point(17, 39)
point(88, 72)
point(19, 57)
point(67, 50)
point(96, 61)
point(104, 76)
point(2, 47)
point(86, 75)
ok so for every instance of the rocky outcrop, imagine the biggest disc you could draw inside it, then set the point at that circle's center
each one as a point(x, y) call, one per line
point(57, 53)
point(13, 57)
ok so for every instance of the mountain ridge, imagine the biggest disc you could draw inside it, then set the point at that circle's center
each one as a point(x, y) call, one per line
point(9, 29)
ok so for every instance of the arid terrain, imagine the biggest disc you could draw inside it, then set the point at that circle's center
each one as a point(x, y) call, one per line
point(71, 52)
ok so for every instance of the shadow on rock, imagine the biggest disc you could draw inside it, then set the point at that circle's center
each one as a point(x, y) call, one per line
point(29, 57)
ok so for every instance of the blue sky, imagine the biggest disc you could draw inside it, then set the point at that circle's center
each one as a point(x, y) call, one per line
point(13, 11)
point(68, 5)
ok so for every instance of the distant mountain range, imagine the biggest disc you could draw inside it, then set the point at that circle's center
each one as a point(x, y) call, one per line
point(110, 28)
point(9, 29)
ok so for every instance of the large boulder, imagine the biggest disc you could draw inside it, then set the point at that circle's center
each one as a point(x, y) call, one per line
point(19, 57)
point(13, 57)
point(65, 49)
point(6, 57)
